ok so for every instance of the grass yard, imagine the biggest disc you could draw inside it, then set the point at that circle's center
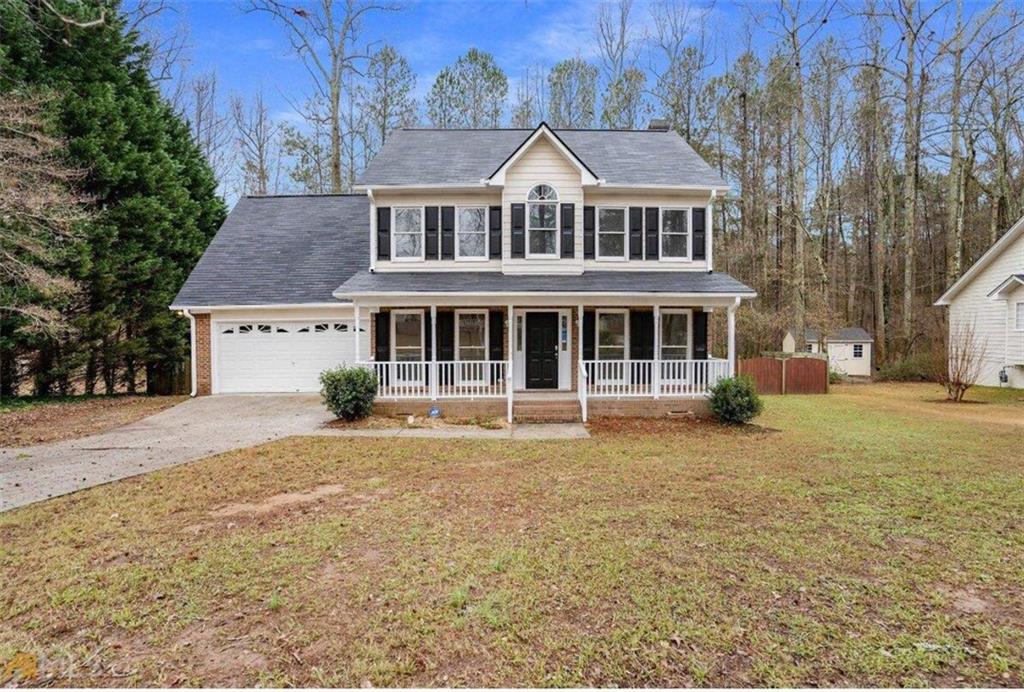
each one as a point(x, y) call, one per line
point(28, 421)
point(870, 537)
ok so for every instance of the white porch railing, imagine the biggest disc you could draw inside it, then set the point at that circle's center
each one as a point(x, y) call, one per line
point(650, 378)
point(478, 379)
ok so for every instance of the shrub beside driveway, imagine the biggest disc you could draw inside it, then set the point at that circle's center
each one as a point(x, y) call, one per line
point(851, 540)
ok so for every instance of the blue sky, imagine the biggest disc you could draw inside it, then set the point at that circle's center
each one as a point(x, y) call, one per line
point(251, 51)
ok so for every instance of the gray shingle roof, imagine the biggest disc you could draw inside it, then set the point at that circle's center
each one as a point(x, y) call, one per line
point(621, 157)
point(844, 334)
point(364, 282)
point(282, 250)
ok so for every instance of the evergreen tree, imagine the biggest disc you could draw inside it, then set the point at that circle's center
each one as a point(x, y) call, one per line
point(470, 93)
point(152, 193)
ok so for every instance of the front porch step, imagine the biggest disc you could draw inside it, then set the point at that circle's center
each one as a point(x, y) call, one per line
point(550, 411)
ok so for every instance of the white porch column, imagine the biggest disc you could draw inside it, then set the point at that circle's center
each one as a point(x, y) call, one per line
point(732, 340)
point(509, 381)
point(656, 375)
point(433, 353)
point(355, 329)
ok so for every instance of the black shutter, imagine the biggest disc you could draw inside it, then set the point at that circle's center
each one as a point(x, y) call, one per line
point(446, 336)
point(430, 213)
point(428, 342)
point(494, 226)
point(382, 336)
point(641, 335)
point(588, 335)
point(496, 341)
point(445, 343)
point(383, 233)
point(700, 335)
point(568, 230)
point(699, 241)
point(652, 232)
point(588, 233)
point(636, 233)
point(447, 232)
point(519, 230)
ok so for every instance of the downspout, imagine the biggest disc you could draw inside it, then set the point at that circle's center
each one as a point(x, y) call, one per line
point(192, 350)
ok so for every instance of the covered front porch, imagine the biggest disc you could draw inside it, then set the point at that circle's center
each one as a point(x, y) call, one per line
point(608, 353)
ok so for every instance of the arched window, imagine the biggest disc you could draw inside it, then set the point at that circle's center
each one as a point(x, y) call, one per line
point(542, 222)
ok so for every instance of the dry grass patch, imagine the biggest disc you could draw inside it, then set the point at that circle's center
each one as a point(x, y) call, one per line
point(28, 422)
point(857, 545)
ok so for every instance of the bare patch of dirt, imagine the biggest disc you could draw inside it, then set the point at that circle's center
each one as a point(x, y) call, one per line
point(72, 419)
point(391, 422)
point(970, 603)
point(690, 425)
point(276, 502)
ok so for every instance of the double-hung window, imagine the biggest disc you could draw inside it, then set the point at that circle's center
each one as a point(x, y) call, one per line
point(611, 233)
point(612, 344)
point(1020, 316)
point(471, 233)
point(675, 233)
point(542, 222)
point(407, 346)
point(675, 334)
point(407, 233)
point(471, 345)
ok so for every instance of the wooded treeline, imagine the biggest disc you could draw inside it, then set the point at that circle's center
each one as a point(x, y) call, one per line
point(875, 149)
point(106, 204)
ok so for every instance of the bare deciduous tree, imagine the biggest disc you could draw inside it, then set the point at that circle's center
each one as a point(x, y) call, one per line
point(959, 368)
point(39, 210)
point(256, 141)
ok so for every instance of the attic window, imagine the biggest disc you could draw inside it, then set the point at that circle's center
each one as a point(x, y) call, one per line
point(542, 222)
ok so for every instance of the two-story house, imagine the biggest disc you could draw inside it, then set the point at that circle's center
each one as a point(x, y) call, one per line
point(481, 272)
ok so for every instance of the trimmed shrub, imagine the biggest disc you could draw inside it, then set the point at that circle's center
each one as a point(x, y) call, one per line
point(834, 376)
point(348, 392)
point(734, 400)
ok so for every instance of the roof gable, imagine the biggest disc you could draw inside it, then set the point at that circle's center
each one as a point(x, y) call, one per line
point(1016, 230)
point(1008, 287)
point(587, 176)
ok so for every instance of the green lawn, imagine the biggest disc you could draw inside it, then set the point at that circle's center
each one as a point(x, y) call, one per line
point(869, 537)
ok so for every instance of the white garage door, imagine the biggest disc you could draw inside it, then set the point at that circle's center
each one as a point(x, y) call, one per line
point(282, 356)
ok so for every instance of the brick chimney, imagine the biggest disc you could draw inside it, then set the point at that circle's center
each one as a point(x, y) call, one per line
point(658, 125)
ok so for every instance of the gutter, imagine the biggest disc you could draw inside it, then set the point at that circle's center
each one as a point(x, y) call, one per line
point(192, 350)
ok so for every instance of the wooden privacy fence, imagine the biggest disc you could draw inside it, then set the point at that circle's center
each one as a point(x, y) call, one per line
point(787, 375)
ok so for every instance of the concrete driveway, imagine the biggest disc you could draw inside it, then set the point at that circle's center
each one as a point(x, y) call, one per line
point(191, 430)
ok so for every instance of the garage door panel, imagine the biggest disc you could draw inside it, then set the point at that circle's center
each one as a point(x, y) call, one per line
point(282, 356)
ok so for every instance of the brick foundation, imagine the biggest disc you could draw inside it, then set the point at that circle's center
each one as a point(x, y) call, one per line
point(204, 381)
point(647, 408)
point(450, 408)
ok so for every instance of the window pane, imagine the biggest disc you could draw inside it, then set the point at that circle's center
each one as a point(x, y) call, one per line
point(471, 219)
point(611, 353)
point(408, 245)
point(612, 220)
point(406, 355)
point(407, 334)
point(674, 221)
point(472, 353)
point(673, 246)
point(543, 242)
point(611, 245)
point(543, 215)
point(611, 329)
point(407, 220)
point(673, 353)
point(472, 330)
point(674, 328)
point(472, 245)
point(542, 192)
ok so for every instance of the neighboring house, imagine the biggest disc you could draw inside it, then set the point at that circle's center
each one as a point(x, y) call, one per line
point(479, 271)
point(849, 349)
point(989, 298)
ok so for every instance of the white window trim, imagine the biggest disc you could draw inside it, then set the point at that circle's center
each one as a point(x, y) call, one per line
point(423, 329)
point(558, 223)
point(1017, 314)
point(423, 235)
point(689, 329)
point(487, 332)
point(597, 332)
point(689, 234)
point(625, 235)
point(487, 235)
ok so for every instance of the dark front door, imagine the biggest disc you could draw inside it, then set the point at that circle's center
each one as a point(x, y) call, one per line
point(542, 350)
